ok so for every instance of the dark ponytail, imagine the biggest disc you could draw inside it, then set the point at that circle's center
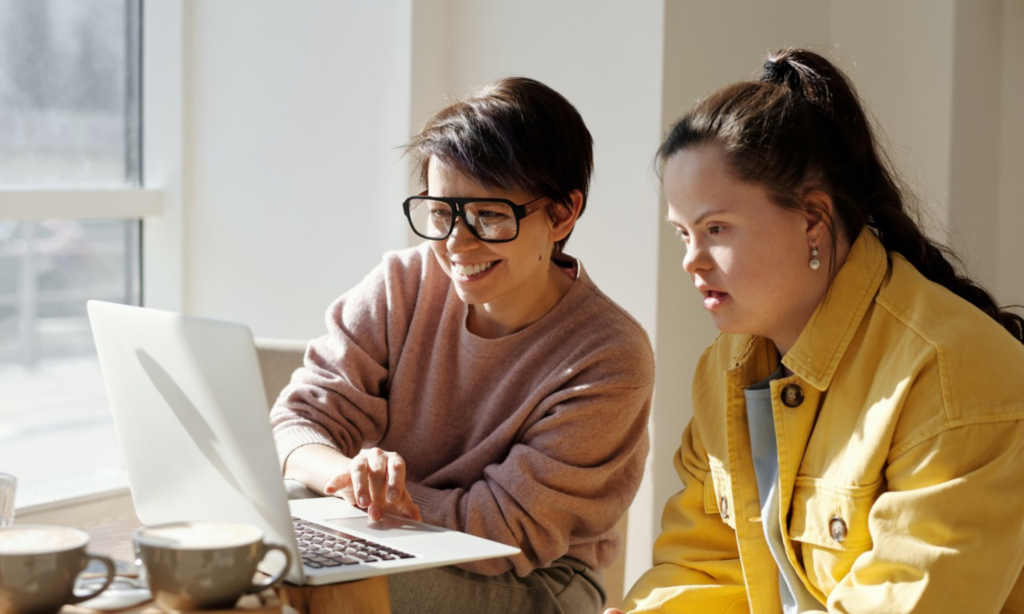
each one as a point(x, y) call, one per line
point(801, 127)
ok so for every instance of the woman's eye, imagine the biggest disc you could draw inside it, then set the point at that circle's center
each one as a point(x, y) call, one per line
point(493, 216)
point(715, 229)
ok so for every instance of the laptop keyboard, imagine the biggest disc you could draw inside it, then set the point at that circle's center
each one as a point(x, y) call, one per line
point(322, 546)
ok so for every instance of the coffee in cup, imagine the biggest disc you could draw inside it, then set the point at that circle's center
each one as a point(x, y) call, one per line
point(39, 565)
point(203, 565)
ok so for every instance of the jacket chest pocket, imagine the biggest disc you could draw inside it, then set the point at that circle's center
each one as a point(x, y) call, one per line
point(718, 495)
point(829, 526)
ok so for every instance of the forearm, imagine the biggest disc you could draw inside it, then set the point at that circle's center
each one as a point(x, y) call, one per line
point(552, 493)
point(696, 559)
point(668, 588)
point(336, 399)
point(314, 465)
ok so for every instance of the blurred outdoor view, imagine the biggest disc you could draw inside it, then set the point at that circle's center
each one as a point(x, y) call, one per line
point(69, 118)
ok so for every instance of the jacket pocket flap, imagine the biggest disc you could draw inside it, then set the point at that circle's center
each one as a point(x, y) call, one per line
point(718, 494)
point(830, 515)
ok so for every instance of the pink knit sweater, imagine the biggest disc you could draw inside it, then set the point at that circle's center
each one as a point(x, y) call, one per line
point(537, 439)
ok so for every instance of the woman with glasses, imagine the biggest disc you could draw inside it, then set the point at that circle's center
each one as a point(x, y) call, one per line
point(481, 381)
point(857, 443)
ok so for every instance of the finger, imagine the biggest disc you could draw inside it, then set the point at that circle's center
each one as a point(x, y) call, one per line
point(409, 509)
point(339, 482)
point(358, 474)
point(377, 478)
point(396, 478)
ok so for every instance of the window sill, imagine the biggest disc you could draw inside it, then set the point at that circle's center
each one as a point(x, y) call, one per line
point(80, 512)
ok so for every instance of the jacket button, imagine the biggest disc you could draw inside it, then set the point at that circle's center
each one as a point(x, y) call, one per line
point(837, 527)
point(792, 395)
point(723, 507)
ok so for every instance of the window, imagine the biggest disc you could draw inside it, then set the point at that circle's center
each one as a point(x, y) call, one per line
point(70, 165)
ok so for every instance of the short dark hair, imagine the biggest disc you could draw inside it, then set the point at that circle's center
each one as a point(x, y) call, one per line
point(516, 134)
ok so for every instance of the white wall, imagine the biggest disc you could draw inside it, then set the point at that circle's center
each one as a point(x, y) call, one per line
point(900, 57)
point(1010, 227)
point(943, 79)
point(163, 270)
point(974, 144)
point(293, 116)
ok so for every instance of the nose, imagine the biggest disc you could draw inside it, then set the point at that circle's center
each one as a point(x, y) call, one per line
point(460, 238)
point(696, 258)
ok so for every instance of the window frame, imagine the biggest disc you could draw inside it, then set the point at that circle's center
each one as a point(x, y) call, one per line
point(157, 202)
point(46, 203)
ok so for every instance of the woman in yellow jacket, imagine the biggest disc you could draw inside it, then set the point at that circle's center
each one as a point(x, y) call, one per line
point(858, 437)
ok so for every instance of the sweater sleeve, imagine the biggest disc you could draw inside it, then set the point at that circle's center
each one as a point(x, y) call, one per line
point(568, 479)
point(696, 560)
point(339, 397)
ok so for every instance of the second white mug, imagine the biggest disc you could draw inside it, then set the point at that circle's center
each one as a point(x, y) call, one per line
point(203, 565)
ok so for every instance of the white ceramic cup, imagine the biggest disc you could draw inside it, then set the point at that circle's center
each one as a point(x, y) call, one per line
point(203, 565)
point(39, 565)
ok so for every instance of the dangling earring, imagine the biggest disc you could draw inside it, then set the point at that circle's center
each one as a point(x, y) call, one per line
point(814, 259)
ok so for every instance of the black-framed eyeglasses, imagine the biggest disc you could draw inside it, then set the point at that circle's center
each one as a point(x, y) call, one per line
point(492, 220)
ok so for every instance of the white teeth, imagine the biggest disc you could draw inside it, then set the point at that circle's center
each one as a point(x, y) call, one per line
point(470, 270)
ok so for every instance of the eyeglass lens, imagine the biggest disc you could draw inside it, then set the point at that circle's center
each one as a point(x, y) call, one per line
point(491, 221)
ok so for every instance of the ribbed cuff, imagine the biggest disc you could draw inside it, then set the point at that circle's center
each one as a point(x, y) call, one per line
point(291, 439)
point(427, 499)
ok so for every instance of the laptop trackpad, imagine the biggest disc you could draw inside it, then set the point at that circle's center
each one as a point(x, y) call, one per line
point(389, 526)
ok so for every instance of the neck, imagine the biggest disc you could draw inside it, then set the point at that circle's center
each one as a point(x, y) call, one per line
point(502, 318)
point(787, 338)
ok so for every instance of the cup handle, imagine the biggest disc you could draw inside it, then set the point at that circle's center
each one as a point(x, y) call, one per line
point(274, 580)
point(109, 563)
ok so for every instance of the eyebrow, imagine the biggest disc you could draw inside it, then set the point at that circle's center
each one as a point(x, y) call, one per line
point(700, 218)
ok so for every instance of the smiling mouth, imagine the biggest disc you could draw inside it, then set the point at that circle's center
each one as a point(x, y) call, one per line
point(469, 270)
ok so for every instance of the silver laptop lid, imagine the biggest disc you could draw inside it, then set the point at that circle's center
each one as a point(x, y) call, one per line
point(192, 419)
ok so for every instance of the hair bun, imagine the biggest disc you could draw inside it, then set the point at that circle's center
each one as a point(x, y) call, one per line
point(776, 71)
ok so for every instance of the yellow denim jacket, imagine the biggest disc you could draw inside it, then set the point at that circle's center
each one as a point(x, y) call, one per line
point(901, 459)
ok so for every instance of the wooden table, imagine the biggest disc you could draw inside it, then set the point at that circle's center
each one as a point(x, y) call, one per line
point(370, 595)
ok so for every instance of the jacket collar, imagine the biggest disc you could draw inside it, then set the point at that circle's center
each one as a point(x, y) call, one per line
point(823, 342)
point(820, 347)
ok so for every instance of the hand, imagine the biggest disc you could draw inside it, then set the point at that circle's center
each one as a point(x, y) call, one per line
point(374, 480)
point(613, 611)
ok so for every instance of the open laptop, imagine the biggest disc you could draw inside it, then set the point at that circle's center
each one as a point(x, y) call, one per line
point(192, 419)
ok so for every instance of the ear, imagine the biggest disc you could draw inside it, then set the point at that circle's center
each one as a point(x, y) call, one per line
point(565, 218)
point(819, 212)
